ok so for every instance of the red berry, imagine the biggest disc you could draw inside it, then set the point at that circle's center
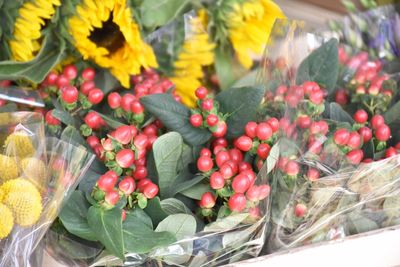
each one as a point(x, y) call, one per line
point(108, 144)
point(391, 152)
point(244, 166)
point(244, 143)
point(264, 191)
point(50, 120)
point(150, 129)
point(254, 212)
point(317, 97)
point(212, 120)
point(99, 150)
point(341, 137)
point(304, 121)
point(151, 140)
point(86, 87)
point(150, 190)
point(323, 125)
point(51, 78)
point(207, 104)
point(127, 101)
point(207, 201)
point(93, 141)
point(284, 123)
point(237, 202)
point(217, 181)
point(112, 197)
point(217, 149)
point(107, 182)
point(281, 90)
point(205, 164)
point(354, 140)
point(201, 93)
point(222, 157)
point(62, 81)
point(240, 183)
point(300, 210)
point(312, 174)
point(221, 129)
point(227, 171)
point(141, 141)
point(69, 94)
point(341, 97)
point(310, 87)
point(233, 165)
point(141, 184)
point(253, 193)
point(361, 116)
point(94, 120)
point(292, 100)
point(205, 152)
point(114, 100)
point(292, 168)
point(355, 156)
point(95, 96)
point(282, 162)
point(366, 133)
point(123, 215)
point(123, 134)
point(125, 158)
point(140, 172)
point(70, 71)
point(127, 185)
point(137, 107)
point(376, 121)
point(251, 129)
point(236, 155)
point(263, 150)
point(196, 120)
point(382, 133)
point(88, 74)
point(264, 131)
point(220, 141)
point(274, 123)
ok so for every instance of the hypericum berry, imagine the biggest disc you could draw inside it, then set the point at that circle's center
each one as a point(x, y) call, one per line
point(341, 137)
point(137, 107)
point(95, 96)
point(70, 71)
point(263, 150)
point(355, 156)
point(221, 129)
point(108, 144)
point(250, 175)
point(292, 168)
point(264, 131)
point(244, 166)
point(205, 152)
point(51, 79)
point(217, 181)
point(212, 120)
point(141, 184)
point(62, 81)
point(354, 140)
point(236, 155)
point(376, 121)
point(237, 202)
point(125, 158)
point(253, 193)
point(281, 90)
point(218, 148)
point(93, 141)
point(140, 172)
point(251, 129)
point(244, 143)
point(361, 116)
point(220, 141)
point(264, 191)
point(315, 146)
point(99, 150)
point(141, 141)
point(310, 87)
point(94, 120)
point(382, 133)
point(86, 87)
point(127, 185)
point(88, 74)
point(222, 157)
point(391, 152)
point(50, 120)
point(205, 164)
point(126, 102)
point(317, 97)
point(69, 94)
point(201, 93)
point(107, 181)
point(254, 212)
point(274, 123)
point(207, 201)
point(304, 121)
point(196, 120)
point(292, 100)
point(150, 129)
point(227, 171)
point(123, 134)
point(366, 133)
point(240, 183)
point(207, 104)
point(112, 197)
point(300, 210)
point(341, 97)
point(150, 190)
point(313, 174)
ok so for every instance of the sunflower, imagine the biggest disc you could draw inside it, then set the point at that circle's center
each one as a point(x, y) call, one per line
point(27, 34)
point(196, 52)
point(105, 32)
point(249, 25)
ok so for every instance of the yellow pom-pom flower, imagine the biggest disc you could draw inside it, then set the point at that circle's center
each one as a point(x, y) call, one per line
point(34, 169)
point(8, 168)
point(6, 222)
point(19, 144)
point(1, 195)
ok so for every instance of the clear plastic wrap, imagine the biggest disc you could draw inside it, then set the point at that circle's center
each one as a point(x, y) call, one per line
point(37, 175)
point(21, 96)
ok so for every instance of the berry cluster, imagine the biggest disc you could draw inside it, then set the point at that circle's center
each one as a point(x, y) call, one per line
point(207, 115)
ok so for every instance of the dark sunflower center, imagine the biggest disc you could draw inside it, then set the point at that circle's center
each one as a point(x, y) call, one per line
point(108, 36)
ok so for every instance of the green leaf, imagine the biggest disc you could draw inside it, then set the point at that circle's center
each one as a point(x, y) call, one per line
point(36, 69)
point(223, 68)
point(337, 113)
point(167, 151)
point(181, 225)
point(392, 114)
point(105, 81)
point(89, 181)
point(362, 224)
point(175, 117)
point(273, 157)
point(250, 79)
point(111, 122)
point(73, 136)
point(63, 116)
point(155, 13)
point(107, 224)
point(182, 186)
point(321, 66)
point(241, 104)
point(74, 216)
point(174, 206)
point(140, 238)
point(155, 211)
point(226, 223)
point(196, 191)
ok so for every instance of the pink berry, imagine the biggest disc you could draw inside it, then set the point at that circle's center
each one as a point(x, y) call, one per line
point(237, 202)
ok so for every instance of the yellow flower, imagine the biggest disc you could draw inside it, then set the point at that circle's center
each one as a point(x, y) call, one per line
point(8, 168)
point(104, 31)
point(249, 26)
point(19, 144)
point(196, 52)
point(34, 169)
point(27, 33)
point(6, 222)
